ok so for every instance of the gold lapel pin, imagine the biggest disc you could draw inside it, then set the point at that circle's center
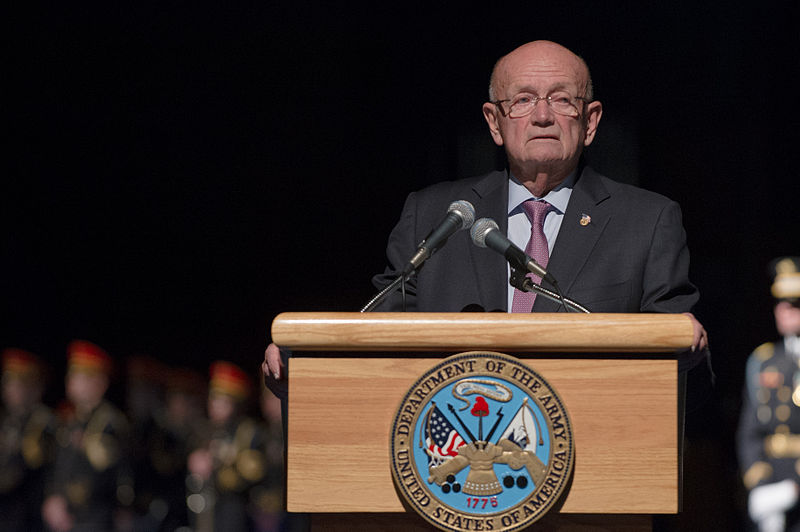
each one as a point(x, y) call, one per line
point(585, 219)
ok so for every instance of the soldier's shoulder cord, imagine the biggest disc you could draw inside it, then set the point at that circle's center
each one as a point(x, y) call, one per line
point(107, 416)
point(764, 351)
point(246, 433)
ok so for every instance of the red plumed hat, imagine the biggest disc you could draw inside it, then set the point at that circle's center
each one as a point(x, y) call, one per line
point(229, 379)
point(88, 357)
point(21, 363)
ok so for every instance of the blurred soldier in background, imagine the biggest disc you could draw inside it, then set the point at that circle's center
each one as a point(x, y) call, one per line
point(768, 437)
point(27, 444)
point(144, 390)
point(228, 470)
point(268, 499)
point(91, 477)
point(178, 428)
point(144, 378)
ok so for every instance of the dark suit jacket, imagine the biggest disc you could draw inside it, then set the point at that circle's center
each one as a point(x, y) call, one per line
point(631, 257)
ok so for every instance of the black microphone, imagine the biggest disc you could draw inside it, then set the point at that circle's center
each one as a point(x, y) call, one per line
point(460, 215)
point(486, 233)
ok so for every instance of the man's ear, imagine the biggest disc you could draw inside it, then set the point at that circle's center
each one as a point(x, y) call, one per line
point(492, 115)
point(594, 111)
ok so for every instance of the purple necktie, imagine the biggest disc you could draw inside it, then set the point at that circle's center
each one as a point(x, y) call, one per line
point(536, 249)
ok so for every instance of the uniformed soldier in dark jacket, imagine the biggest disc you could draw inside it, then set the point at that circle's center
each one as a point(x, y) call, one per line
point(178, 428)
point(91, 478)
point(227, 471)
point(267, 505)
point(27, 441)
point(768, 437)
point(143, 400)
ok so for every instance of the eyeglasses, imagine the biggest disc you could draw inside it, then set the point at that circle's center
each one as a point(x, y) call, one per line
point(524, 103)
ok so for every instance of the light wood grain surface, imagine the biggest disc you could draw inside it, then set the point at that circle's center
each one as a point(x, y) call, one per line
point(538, 332)
point(624, 416)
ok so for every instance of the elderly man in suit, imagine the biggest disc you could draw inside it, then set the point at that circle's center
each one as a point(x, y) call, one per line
point(612, 247)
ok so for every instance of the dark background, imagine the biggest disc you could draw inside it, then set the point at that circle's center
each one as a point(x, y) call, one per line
point(177, 175)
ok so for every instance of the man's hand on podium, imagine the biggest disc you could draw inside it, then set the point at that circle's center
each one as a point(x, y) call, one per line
point(700, 338)
point(274, 370)
point(698, 353)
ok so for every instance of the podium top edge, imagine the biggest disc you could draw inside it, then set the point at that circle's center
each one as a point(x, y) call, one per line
point(483, 317)
point(414, 331)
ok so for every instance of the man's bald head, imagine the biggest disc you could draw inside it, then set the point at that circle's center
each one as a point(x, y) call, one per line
point(538, 52)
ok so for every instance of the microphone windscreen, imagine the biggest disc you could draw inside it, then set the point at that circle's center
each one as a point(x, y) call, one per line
point(481, 228)
point(465, 210)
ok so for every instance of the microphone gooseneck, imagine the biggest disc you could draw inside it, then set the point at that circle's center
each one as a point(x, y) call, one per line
point(460, 215)
point(486, 233)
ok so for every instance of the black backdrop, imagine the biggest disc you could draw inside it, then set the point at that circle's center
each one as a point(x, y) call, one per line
point(177, 174)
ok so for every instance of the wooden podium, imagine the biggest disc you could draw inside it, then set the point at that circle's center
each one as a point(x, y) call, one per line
point(617, 375)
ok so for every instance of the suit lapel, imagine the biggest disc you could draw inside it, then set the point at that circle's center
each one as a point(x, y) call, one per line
point(491, 201)
point(575, 241)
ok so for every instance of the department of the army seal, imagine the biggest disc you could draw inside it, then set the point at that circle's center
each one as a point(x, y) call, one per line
point(481, 442)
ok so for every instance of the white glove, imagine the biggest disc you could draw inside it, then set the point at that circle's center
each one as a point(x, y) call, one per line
point(767, 504)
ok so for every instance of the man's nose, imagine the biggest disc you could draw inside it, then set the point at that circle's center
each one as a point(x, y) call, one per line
point(542, 112)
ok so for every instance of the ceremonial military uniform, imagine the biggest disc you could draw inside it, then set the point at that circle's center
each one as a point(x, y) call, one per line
point(91, 473)
point(27, 432)
point(90, 469)
point(177, 428)
point(143, 400)
point(267, 499)
point(768, 437)
point(237, 452)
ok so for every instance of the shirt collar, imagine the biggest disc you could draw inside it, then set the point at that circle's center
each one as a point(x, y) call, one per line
point(558, 197)
point(792, 345)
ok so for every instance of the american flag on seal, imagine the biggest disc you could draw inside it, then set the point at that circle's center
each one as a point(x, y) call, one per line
point(442, 440)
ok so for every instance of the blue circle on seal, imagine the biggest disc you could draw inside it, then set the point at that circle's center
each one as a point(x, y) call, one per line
point(481, 437)
point(441, 424)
